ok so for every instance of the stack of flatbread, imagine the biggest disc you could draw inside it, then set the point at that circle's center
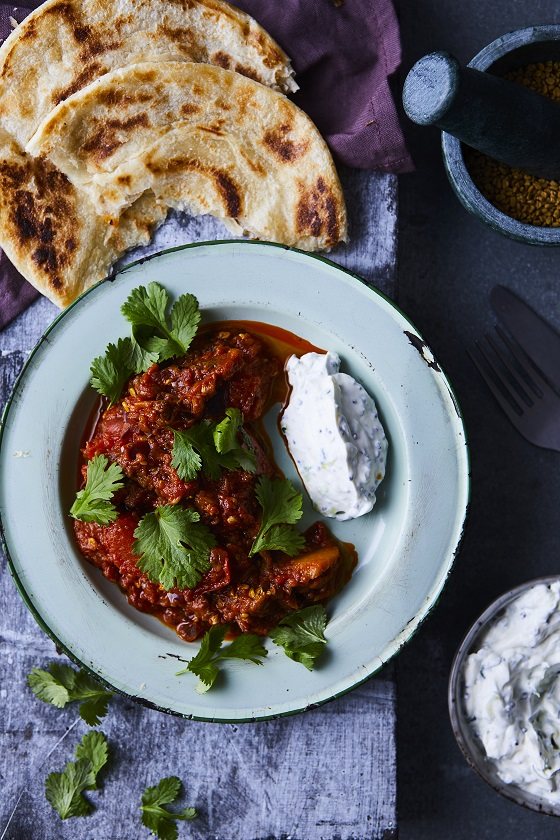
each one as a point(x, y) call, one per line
point(113, 113)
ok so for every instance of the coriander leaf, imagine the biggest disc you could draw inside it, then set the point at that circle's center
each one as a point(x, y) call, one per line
point(110, 372)
point(46, 687)
point(140, 358)
point(146, 309)
point(185, 459)
point(61, 684)
point(64, 790)
point(282, 505)
point(185, 318)
point(146, 306)
point(173, 546)
point(161, 821)
point(247, 647)
point(301, 634)
point(205, 664)
point(225, 433)
point(93, 503)
point(281, 538)
point(201, 439)
point(93, 748)
point(207, 446)
point(226, 442)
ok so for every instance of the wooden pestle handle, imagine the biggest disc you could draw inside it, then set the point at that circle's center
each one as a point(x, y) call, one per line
point(503, 119)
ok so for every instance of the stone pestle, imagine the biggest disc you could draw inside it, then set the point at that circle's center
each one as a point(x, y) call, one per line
point(500, 118)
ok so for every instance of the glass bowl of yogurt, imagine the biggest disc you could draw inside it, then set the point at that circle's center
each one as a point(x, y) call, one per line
point(504, 695)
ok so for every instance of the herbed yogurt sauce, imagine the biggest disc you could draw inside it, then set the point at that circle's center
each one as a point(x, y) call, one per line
point(334, 435)
point(512, 692)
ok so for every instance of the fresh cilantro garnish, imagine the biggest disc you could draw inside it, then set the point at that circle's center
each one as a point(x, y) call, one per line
point(301, 634)
point(155, 338)
point(226, 440)
point(186, 459)
point(205, 664)
point(93, 503)
point(194, 450)
point(173, 546)
point(282, 507)
point(155, 332)
point(93, 748)
point(61, 684)
point(64, 790)
point(161, 821)
point(210, 447)
point(110, 372)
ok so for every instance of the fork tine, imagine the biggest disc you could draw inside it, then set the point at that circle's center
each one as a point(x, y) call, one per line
point(533, 374)
point(507, 406)
point(510, 374)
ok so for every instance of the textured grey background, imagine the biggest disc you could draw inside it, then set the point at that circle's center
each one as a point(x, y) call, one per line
point(329, 774)
point(448, 262)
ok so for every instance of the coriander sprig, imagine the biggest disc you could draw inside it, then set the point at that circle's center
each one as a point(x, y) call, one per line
point(93, 502)
point(158, 334)
point(64, 790)
point(173, 546)
point(211, 447)
point(61, 685)
point(282, 507)
point(302, 635)
point(205, 664)
point(160, 820)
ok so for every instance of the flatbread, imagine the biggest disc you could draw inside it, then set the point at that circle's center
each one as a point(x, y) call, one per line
point(66, 44)
point(52, 235)
point(205, 140)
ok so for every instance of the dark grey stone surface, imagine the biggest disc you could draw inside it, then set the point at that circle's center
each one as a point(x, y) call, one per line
point(448, 262)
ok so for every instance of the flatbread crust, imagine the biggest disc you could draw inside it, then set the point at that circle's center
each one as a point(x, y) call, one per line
point(53, 235)
point(205, 140)
point(66, 44)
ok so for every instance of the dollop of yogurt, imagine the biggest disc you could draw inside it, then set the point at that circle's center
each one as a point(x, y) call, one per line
point(334, 435)
point(512, 692)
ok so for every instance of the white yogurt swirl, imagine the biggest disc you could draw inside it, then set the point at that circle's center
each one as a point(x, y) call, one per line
point(334, 436)
point(512, 692)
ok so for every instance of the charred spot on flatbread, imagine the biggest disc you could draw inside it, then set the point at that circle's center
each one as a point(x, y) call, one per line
point(41, 215)
point(317, 214)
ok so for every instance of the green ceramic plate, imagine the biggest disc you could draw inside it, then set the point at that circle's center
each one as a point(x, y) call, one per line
point(406, 545)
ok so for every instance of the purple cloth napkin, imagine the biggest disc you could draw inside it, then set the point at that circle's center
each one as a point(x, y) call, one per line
point(343, 52)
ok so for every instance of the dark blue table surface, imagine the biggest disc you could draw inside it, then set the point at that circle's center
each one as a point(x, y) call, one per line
point(448, 262)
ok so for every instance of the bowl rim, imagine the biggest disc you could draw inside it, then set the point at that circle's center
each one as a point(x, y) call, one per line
point(459, 724)
point(406, 634)
point(463, 185)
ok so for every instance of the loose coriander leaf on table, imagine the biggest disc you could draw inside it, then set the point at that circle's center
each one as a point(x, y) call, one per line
point(64, 790)
point(93, 503)
point(161, 821)
point(61, 684)
point(173, 546)
point(301, 634)
point(48, 688)
point(282, 506)
point(110, 372)
point(93, 748)
point(205, 664)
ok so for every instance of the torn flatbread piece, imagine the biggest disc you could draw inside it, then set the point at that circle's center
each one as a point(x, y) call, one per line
point(53, 235)
point(66, 44)
point(204, 140)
